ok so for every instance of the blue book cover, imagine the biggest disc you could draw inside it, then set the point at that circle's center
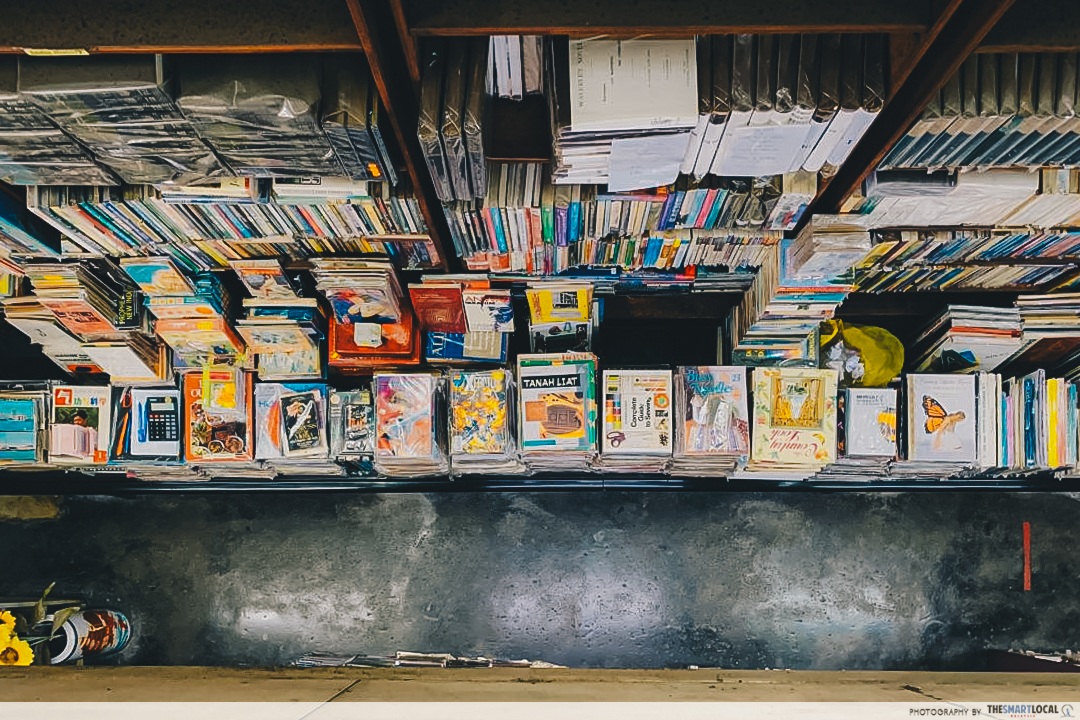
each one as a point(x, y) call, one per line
point(487, 347)
point(500, 233)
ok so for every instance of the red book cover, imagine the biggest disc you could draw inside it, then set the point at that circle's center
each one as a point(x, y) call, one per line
point(398, 340)
point(439, 307)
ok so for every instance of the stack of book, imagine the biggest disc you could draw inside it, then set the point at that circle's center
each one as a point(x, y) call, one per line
point(291, 428)
point(192, 316)
point(712, 436)
point(33, 151)
point(941, 422)
point(557, 411)
point(92, 299)
point(794, 422)
point(866, 424)
point(260, 113)
point(372, 326)
point(561, 316)
point(463, 320)
point(121, 108)
point(1051, 338)
point(80, 425)
point(452, 103)
point(998, 110)
point(526, 225)
point(217, 410)
point(637, 424)
point(282, 330)
point(482, 405)
point(410, 424)
point(968, 338)
point(39, 324)
point(206, 228)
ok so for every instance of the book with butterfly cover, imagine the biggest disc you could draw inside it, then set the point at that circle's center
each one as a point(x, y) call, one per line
point(870, 422)
point(941, 418)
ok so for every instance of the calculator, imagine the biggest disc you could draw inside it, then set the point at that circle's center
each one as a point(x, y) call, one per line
point(162, 419)
point(156, 422)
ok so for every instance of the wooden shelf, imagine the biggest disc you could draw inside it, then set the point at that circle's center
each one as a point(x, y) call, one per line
point(675, 18)
point(235, 26)
point(1036, 26)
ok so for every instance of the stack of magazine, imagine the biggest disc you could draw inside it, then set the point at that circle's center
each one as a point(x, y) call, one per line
point(481, 423)
point(352, 430)
point(557, 411)
point(410, 424)
point(638, 416)
point(712, 435)
point(281, 329)
point(866, 419)
point(291, 422)
point(23, 423)
point(941, 424)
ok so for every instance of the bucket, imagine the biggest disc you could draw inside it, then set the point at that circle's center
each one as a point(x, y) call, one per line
point(90, 633)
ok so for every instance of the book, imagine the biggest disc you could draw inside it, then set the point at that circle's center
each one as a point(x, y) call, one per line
point(80, 426)
point(794, 421)
point(638, 408)
point(480, 414)
point(157, 276)
point(488, 311)
point(154, 429)
point(438, 307)
point(217, 407)
point(557, 404)
point(478, 347)
point(941, 418)
point(407, 422)
point(870, 422)
point(264, 279)
point(352, 428)
point(560, 302)
point(712, 405)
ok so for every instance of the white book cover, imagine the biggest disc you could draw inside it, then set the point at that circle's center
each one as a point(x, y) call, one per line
point(637, 412)
point(870, 422)
point(557, 403)
point(81, 425)
point(633, 84)
point(941, 418)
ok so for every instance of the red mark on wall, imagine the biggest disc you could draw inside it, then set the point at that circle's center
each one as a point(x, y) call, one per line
point(1027, 557)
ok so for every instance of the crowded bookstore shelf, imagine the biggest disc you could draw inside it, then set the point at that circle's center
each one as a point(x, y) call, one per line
point(414, 245)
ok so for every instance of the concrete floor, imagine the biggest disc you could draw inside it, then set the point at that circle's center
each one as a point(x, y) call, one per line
point(918, 581)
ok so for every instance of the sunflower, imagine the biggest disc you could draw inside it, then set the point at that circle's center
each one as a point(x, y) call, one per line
point(7, 625)
point(14, 651)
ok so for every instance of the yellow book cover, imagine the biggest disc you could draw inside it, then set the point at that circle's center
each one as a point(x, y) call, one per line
point(560, 302)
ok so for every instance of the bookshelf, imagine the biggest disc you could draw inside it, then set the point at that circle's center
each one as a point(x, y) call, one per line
point(928, 41)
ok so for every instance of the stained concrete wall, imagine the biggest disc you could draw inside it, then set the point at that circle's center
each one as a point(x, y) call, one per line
point(597, 579)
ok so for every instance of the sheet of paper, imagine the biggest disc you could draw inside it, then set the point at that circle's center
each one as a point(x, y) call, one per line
point(756, 151)
point(629, 84)
point(648, 162)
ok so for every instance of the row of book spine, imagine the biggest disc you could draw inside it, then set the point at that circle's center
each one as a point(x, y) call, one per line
point(209, 234)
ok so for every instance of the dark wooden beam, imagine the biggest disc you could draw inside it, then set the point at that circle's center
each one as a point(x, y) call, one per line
point(1036, 26)
point(374, 25)
point(127, 26)
point(673, 18)
point(940, 56)
point(408, 43)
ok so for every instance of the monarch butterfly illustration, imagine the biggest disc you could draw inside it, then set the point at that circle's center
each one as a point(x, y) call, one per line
point(938, 420)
